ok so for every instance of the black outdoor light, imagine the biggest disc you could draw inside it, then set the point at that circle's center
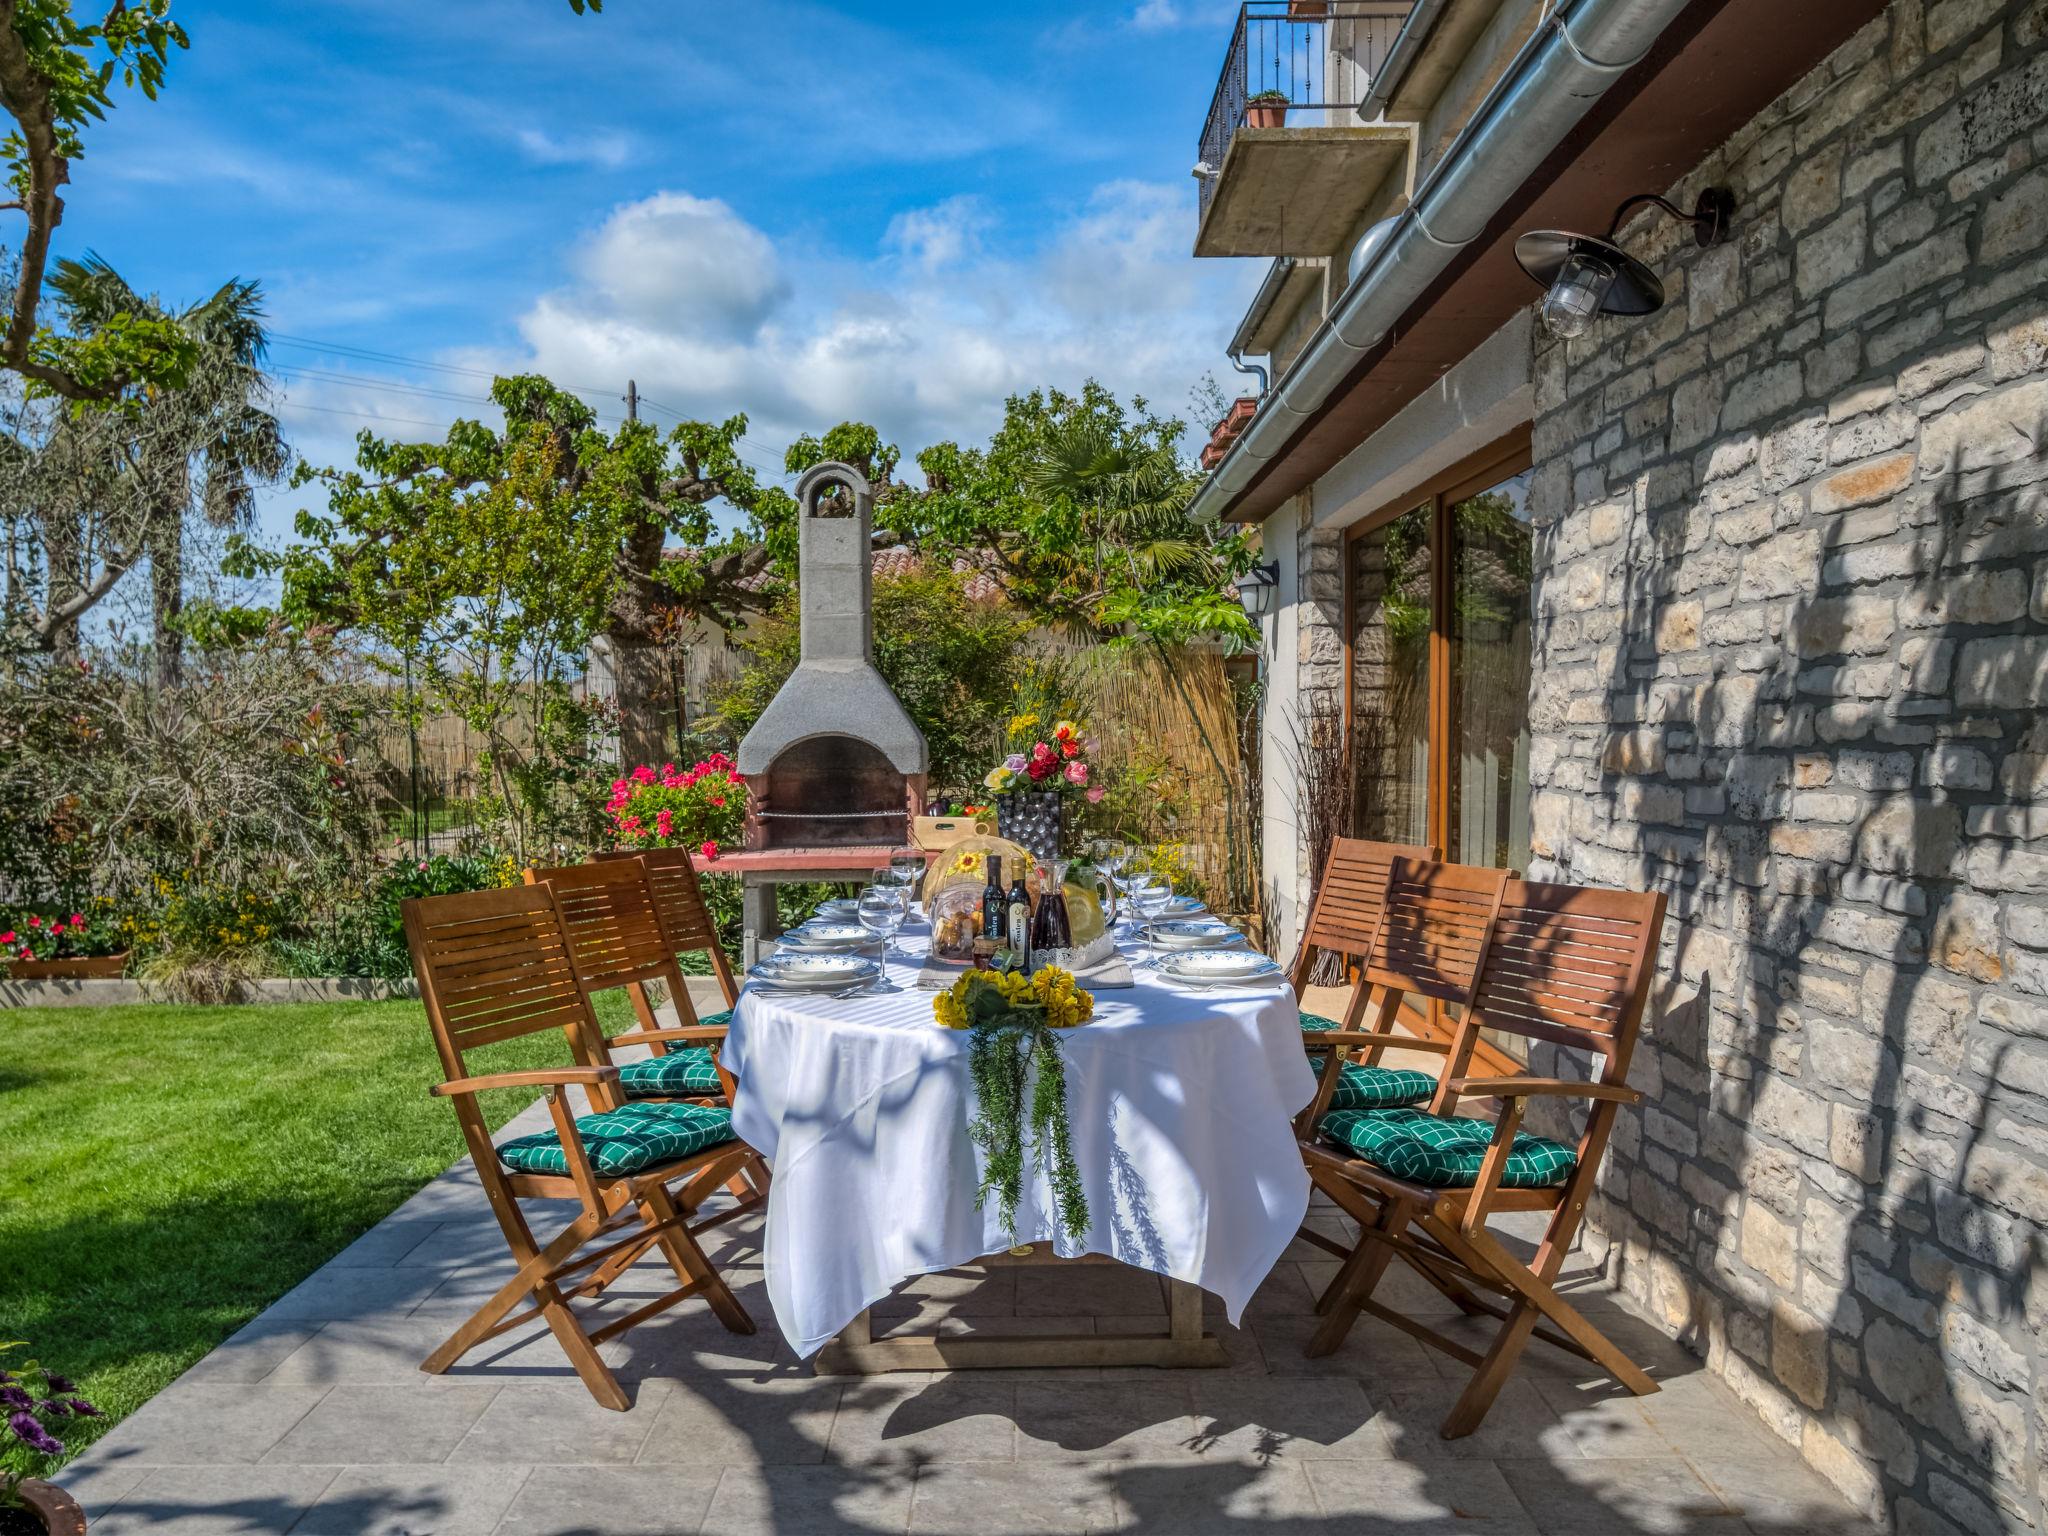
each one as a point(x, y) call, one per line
point(1589, 276)
point(1255, 588)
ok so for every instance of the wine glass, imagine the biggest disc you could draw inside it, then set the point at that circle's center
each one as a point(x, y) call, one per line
point(890, 878)
point(881, 913)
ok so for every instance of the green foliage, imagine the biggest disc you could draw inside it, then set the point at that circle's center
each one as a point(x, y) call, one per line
point(120, 348)
point(949, 660)
point(1081, 503)
point(76, 63)
point(1014, 1056)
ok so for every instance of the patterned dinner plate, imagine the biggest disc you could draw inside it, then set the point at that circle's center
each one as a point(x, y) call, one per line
point(1191, 933)
point(827, 936)
point(1218, 967)
point(1181, 906)
point(814, 973)
point(839, 908)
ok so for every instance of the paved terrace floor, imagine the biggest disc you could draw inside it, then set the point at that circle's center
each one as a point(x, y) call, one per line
point(316, 1420)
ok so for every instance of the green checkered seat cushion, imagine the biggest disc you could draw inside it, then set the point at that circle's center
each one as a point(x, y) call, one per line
point(1362, 1087)
point(716, 1020)
point(1443, 1152)
point(625, 1141)
point(688, 1070)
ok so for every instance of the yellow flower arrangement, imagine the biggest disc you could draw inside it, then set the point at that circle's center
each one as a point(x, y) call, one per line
point(1051, 989)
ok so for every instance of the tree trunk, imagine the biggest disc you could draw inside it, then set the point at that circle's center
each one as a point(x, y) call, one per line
point(647, 698)
point(63, 541)
point(167, 602)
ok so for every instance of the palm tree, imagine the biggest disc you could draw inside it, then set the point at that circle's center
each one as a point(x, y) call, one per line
point(199, 449)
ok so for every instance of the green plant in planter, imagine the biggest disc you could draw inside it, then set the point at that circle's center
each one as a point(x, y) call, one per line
point(1015, 1056)
point(1267, 99)
point(32, 1398)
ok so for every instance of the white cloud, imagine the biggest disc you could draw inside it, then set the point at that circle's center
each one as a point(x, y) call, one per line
point(609, 150)
point(682, 263)
point(924, 336)
point(1157, 16)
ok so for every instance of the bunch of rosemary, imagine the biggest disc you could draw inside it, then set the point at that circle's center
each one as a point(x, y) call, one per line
point(1015, 1052)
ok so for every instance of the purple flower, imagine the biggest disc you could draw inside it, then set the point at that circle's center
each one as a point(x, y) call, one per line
point(14, 1400)
point(84, 1409)
point(1015, 762)
point(32, 1434)
point(59, 1383)
point(52, 1408)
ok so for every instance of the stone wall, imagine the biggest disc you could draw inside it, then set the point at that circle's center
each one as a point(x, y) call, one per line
point(1792, 666)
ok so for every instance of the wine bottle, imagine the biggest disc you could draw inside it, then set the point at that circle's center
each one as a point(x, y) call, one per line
point(1019, 901)
point(994, 904)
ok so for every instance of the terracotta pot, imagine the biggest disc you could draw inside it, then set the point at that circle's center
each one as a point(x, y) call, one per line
point(78, 968)
point(58, 1511)
point(1265, 114)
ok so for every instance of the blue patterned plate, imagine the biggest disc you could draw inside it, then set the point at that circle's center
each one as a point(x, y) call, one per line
point(827, 937)
point(1221, 967)
point(1191, 933)
point(814, 973)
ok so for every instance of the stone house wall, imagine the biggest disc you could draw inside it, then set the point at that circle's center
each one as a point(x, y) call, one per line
point(1791, 668)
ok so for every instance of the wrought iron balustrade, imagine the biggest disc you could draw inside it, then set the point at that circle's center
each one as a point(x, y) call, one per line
point(1317, 55)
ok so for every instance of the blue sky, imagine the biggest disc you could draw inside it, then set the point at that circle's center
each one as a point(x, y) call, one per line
point(897, 212)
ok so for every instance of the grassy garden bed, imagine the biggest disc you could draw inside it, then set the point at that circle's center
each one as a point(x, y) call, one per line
point(168, 1172)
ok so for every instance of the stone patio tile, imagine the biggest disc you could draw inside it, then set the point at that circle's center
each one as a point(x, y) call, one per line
point(952, 1418)
point(738, 1422)
point(1219, 1499)
point(1033, 1498)
point(816, 1501)
point(333, 1293)
point(1070, 1290)
point(621, 1501)
point(1520, 1423)
point(99, 1485)
point(389, 1350)
point(560, 1426)
point(215, 1501)
point(387, 1243)
point(1238, 1343)
point(1308, 1419)
point(209, 1423)
point(1283, 1293)
point(373, 1424)
point(957, 1292)
point(1779, 1493)
point(1400, 1288)
point(1394, 1498)
point(413, 1501)
point(1119, 1420)
point(1652, 1496)
point(1373, 1352)
point(1603, 1424)
point(459, 1247)
point(253, 1352)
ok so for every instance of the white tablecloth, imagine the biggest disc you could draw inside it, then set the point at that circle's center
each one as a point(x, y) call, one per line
point(1180, 1103)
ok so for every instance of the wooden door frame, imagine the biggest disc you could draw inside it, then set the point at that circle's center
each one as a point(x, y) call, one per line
point(1499, 460)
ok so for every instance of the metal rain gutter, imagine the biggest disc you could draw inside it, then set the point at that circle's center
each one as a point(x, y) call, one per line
point(1565, 67)
point(1401, 56)
point(1254, 317)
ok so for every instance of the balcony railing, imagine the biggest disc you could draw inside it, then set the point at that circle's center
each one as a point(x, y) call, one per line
point(1319, 55)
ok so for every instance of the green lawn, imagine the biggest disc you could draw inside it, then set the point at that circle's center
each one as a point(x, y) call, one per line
point(167, 1172)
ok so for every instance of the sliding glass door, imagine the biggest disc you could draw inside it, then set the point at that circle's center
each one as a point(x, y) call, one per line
point(1437, 596)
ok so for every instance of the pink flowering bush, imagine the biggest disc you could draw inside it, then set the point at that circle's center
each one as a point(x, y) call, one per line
point(702, 807)
point(61, 933)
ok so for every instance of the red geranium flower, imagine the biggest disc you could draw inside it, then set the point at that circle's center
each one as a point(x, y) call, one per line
point(709, 850)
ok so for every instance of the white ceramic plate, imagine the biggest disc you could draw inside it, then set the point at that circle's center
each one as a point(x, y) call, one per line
point(819, 973)
point(1191, 933)
point(839, 908)
point(1181, 906)
point(824, 936)
point(1218, 967)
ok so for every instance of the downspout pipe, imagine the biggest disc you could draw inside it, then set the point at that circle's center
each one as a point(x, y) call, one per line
point(1565, 67)
point(1253, 369)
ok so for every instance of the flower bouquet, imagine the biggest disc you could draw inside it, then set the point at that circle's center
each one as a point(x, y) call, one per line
point(1015, 1061)
point(1033, 783)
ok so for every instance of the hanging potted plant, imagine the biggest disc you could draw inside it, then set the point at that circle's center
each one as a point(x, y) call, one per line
point(32, 1398)
point(1268, 109)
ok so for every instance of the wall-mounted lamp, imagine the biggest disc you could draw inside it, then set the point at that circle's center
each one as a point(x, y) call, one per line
point(1255, 588)
point(1590, 275)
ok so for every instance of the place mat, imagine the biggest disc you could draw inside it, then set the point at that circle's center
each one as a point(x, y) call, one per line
point(1112, 973)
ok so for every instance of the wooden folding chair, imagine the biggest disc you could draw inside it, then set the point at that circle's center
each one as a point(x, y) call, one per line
point(496, 965)
point(679, 896)
point(1561, 964)
point(620, 941)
